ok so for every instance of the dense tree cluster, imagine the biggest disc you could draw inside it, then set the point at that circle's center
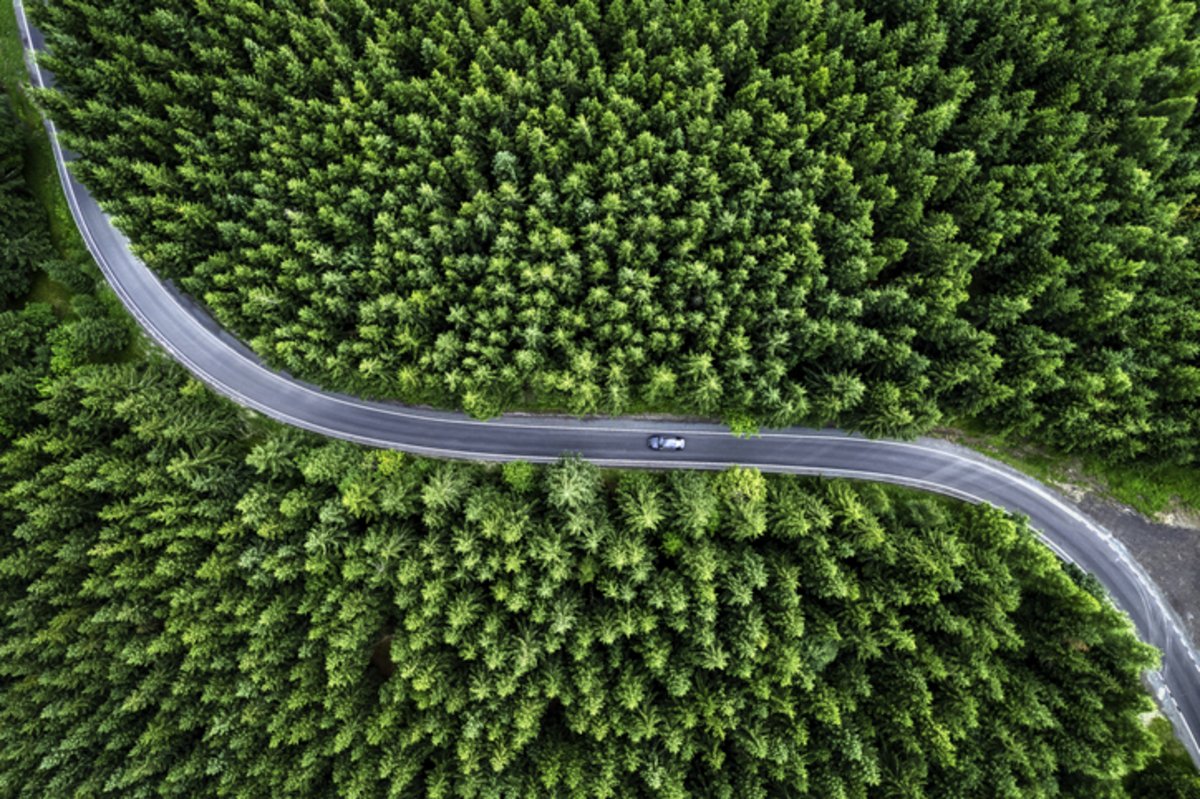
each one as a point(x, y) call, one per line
point(188, 611)
point(1172, 776)
point(770, 211)
point(194, 604)
point(23, 242)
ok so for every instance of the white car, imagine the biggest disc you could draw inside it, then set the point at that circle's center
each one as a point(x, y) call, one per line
point(665, 442)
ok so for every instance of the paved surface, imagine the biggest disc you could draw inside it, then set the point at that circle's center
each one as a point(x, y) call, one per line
point(1169, 553)
point(230, 368)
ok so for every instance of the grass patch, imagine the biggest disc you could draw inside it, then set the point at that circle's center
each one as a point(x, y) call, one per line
point(1150, 488)
point(41, 178)
point(41, 175)
point(12, 63)
point(53, 293)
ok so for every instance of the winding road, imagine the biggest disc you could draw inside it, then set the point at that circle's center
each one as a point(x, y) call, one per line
point(218, 359)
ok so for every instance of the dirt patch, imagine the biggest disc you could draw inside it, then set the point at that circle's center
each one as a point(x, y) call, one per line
point(1178, 516)
point(1073, 491)
point(1169, 553)
point(1078, 484)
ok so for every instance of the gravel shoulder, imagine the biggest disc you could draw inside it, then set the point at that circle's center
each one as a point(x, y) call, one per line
point(1170, 553)
point(1167, 546)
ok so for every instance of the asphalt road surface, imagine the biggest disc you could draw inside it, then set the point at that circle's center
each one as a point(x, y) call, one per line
point(191, 336)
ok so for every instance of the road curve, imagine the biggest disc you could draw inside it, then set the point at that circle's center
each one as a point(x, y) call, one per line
point(218, 359)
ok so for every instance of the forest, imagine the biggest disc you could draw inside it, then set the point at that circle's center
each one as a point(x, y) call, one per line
point(878, 215)
point(195, 601)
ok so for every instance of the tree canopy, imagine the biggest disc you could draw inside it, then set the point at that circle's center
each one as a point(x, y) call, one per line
point(194, 602)
point(23, 244)
point(774, 211)
point(189, 611)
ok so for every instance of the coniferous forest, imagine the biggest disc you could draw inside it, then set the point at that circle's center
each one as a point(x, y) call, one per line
point(879, 215)
point(196, 602)
point(772, 211)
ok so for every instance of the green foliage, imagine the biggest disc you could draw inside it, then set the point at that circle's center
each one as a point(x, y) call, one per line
point(1150, 488)
point(519, 475)
point(322, 620)
point(191, 608)
point(319, 619)
point(1171, 775)
point(770, 212)
point(23, 242)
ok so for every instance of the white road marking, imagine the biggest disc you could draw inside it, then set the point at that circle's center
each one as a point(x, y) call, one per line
point(945, 452)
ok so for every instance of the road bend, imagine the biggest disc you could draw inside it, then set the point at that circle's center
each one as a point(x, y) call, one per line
point(187, 332)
